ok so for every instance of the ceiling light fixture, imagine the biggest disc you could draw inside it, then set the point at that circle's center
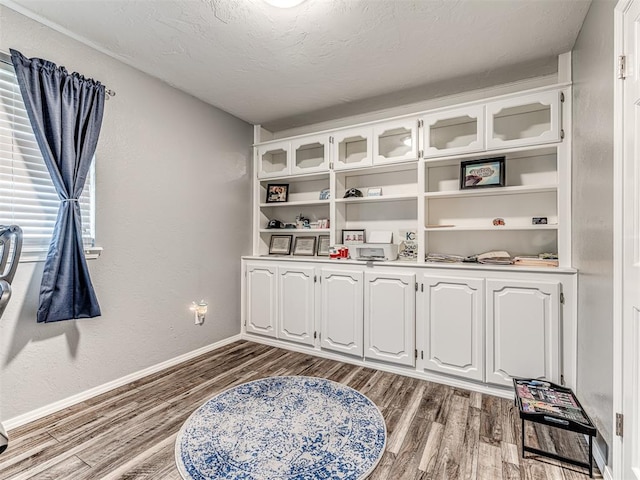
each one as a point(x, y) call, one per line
point(284, 3)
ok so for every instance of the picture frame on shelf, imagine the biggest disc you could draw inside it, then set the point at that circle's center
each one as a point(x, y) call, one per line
point(277, 193)
point(488, 172)
point(280, 244)
point(353, 237)
point(305, 246)
point(325, 194)
point(323, 246)
point(374, 192)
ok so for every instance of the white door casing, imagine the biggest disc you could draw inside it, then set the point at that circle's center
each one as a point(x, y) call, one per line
point(626, 448)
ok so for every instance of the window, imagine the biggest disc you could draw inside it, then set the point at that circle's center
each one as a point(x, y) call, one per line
point(27, 195)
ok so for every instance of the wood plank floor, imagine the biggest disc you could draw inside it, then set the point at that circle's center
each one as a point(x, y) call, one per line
point(434, 431)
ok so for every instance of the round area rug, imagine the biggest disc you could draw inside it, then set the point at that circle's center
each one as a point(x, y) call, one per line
point(301, 428)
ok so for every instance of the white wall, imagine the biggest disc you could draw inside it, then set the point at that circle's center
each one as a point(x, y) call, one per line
point(173, 216)
point(593, 73)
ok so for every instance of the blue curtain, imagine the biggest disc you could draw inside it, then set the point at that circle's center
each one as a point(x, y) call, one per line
point(66, 111)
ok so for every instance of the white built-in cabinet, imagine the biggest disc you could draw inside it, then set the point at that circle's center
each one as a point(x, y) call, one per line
point(296, 303)
point(451, 323)
point(262, 299)
point(523, 330)
point(389, 317)
point(341, 327)
point(482, 325)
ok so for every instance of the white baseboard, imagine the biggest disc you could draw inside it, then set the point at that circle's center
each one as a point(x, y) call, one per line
point(601, 461)
point(407, 372)
point(105, 387)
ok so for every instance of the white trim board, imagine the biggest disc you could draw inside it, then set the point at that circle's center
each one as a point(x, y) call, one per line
point(431, 377)
point(105, 387)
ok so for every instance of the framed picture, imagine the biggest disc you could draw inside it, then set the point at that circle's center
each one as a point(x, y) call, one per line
point(351, 237)
point(489, 172)
point(323, 246)
point(305, 246)
point(277, 192)
point(280, 245)
point(325, 194)
point(374, 192)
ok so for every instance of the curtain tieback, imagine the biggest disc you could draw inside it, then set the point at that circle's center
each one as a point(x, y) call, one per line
point(70, 200)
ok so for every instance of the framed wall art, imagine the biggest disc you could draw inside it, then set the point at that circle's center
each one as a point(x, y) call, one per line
point(489, 172)
point(323, 246)
point(352, 237)
point(305, 246)
point(277, 192)
point(280, 244)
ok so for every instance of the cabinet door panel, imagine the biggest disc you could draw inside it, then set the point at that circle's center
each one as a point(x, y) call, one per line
point(273, 160)
point(454, 319)
point(310, 154)
point(262, 299)
point(341, 317)
point(525, 120)
point(389, 317)
point(395, 141)
point(297, 304)
point(454, 131)
point(523, 329)
point(352, 148)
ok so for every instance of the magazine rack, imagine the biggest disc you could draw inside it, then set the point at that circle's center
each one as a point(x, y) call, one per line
point(556, 406)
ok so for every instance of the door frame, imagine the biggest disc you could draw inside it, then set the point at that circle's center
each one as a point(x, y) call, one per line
point(619, 357)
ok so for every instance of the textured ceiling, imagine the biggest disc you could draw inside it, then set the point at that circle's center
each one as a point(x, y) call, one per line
point(286, 67)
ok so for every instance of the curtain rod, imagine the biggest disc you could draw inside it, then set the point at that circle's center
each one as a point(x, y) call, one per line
point(6, 58)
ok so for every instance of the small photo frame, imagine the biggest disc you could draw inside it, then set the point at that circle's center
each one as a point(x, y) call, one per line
point(323, 246)
point(489, 172)
point(374, 192)
point(325, 194)
point(352, 237)
point(305, 246)
point(277, 193)
point(280, 245)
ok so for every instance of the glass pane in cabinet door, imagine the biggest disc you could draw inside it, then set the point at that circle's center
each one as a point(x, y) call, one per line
point(396, 142)
point(453, 132)
point(352, 150)
point(310, 156)
point(274, 161)
point(523, 121)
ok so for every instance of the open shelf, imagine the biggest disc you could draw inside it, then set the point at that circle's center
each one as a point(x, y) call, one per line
point(301, 203)
point(493, 191)
point(383, 198)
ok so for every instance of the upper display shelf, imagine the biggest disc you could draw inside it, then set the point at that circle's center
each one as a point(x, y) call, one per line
point(509, 122)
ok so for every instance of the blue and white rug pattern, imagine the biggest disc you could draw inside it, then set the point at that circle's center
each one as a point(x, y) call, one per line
point(282, 428)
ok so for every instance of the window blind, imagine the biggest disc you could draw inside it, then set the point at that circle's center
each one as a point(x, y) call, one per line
point(27, 195)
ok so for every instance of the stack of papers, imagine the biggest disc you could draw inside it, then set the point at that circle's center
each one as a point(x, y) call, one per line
point(444, 258)
point(535, 261)
point(495, 258)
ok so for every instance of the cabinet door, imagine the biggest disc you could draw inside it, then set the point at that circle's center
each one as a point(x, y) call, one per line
point(310, 154)
point(296, 285)
point(352, 148)
point(452, 318)
point(526, 120)
point(273, 160)
point(395, 141)
point(453, 132)
point(341, 317)
point(389, 317)
point(262, 298)
point(523, 330)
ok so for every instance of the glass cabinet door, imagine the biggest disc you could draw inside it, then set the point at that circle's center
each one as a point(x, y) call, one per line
point(352, 148)
point(273, 160)
point(395, 141)
point(526, 120)
point(452, 132)
point(310, 154)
